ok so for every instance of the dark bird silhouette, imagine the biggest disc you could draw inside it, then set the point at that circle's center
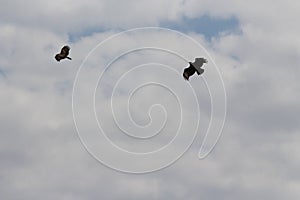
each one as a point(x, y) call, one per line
point(194, 67)
point(63, 54)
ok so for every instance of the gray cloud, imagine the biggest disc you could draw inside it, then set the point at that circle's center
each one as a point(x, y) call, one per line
point(41, 155)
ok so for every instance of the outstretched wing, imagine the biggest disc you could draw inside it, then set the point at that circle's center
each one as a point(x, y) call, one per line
point(65, 51)
point(198, 64)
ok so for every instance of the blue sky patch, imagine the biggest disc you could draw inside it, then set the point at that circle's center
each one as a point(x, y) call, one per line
point(205, 25)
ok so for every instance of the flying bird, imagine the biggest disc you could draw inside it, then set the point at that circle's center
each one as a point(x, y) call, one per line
point(63, 54)
point(194, 67)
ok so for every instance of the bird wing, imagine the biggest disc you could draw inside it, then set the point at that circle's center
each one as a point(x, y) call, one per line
point(65, 51)
point(198, 64)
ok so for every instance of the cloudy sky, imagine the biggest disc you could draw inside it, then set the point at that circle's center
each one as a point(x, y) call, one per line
point(141, 102)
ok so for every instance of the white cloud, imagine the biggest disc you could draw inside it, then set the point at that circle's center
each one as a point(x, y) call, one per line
point(256, 158)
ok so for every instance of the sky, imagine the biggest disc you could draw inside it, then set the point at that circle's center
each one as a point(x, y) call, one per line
point(120, 122)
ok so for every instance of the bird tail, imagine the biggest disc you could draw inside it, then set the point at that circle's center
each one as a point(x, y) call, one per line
point(69, 58)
